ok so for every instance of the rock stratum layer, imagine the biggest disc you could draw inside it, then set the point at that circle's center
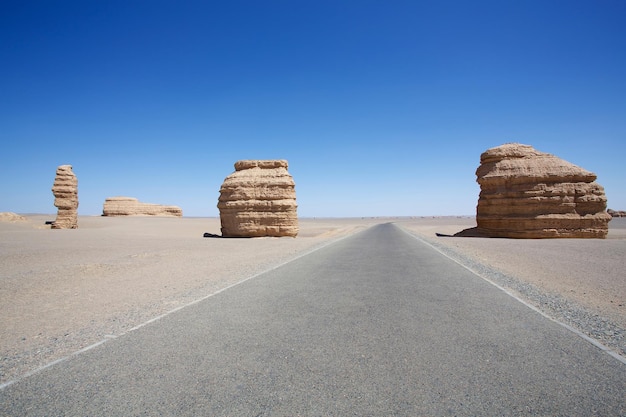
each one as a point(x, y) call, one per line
point(128, 206)
point(65, 190)
point(258, 199)
point(525, 193)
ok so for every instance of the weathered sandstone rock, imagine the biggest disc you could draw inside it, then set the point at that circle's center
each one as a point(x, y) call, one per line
point(128, 206)
point(525, 193)
point(258, 199)
point(65, 190)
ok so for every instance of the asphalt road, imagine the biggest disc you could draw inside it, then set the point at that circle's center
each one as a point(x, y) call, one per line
point(377, 324)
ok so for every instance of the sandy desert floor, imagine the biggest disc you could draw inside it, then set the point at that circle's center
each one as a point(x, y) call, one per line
point(64, 290)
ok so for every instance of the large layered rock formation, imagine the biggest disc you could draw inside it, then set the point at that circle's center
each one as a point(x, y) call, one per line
point(258, 199)
point(65, 190)
point(128, 206)
point(525, 193)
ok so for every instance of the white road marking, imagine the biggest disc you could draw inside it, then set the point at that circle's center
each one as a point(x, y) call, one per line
point(152, 320)
point(532, 307)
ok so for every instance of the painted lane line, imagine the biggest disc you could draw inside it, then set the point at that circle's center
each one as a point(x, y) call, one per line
point(110, 337)
point(527, 304)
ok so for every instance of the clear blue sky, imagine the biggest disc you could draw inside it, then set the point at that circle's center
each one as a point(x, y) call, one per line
point(380, 107)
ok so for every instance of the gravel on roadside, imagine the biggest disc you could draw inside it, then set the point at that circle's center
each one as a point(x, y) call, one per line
point(553, 305)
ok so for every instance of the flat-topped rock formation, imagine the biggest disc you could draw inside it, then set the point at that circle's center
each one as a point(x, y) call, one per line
point(525, 193)
point(65, 190)
point(128, 206)
point(258, 199)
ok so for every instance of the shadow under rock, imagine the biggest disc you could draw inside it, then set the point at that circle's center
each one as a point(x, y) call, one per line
point(471, 232)
point(214, 236)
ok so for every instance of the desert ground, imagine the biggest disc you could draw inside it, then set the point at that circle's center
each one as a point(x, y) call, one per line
point(64, 290)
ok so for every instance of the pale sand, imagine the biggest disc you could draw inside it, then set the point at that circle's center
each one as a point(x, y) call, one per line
point(63, 290)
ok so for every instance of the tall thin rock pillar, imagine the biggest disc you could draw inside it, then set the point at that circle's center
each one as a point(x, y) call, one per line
point(65, 190)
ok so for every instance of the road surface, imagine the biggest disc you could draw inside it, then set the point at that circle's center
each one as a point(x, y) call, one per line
point(376, 324)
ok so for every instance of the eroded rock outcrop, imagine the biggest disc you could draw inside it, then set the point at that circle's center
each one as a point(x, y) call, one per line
point(9, 217)
point(616, 213)
point(65, 190)
point(128, 206)
point(525, 193)
point(258, 199)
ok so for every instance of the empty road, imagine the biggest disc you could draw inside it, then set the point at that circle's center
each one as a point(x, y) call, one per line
point(376, 324)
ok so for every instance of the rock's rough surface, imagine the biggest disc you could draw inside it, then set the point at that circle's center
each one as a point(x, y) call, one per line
point(258, 199)
point(525, 193)
point(128, 206)
point(65, 190)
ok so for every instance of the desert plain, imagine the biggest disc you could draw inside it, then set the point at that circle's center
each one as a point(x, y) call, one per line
point(62, 291)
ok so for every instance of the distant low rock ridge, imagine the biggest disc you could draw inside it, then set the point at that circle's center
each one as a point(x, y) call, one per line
point(128, 206)
point(258, 199)
point(525, 193)
point(7, 216)
point(616, 213)
point(65, 190)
